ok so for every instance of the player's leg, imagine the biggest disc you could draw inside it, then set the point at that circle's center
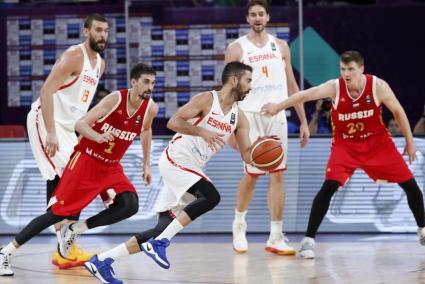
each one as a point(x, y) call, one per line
point(341, 165)
point(100, 265)
point(277, 242)
point(245, 192)
point(207, 197)
point(416, 205)
point(33, 228)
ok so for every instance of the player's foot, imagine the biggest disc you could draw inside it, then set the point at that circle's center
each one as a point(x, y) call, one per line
point(63, 263)
point(102, 270)
point(5, 264)
point(307, 248)
point(240, 243)
point(156, 250)
point(278, 245)
point(421, 236)
point(67, 240)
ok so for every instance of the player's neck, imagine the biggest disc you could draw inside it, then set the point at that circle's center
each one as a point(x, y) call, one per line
point(357, 88)
point(226, 99)
point(258, 38)
point(134, 100)
point(90, 52)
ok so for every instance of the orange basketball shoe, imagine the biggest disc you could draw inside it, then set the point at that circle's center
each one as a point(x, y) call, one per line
point(77, 257)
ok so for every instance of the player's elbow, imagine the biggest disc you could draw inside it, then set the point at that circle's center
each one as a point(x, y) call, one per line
point(171, 124)
point(78, 125)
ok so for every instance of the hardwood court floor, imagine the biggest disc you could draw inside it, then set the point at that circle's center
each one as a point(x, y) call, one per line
point(210, 259)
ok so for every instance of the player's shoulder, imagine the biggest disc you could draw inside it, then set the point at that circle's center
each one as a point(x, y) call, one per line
point(202, 97)
point(74, 52)
point(153, 107)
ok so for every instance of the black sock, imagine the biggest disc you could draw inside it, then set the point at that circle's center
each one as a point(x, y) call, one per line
point(50, 187)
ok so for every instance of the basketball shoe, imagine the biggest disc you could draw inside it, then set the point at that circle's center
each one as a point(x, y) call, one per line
point(307, 248)
point(5, 264)
point(278, 245)
point(421, 236)
point(240, 243)
point(156, 250)
point(76, 257)
point(67, 240)
point(102, 270)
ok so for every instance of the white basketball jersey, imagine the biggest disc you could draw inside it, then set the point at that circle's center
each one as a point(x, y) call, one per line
point(194, 147)
point(269, 78)
point(73, 99)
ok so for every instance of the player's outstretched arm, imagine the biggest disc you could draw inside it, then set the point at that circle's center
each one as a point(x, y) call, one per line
point(70, 63)
point(387, 97)
point(197, 107)
point(325, 90)
point(102, 109)
point(242, 137)
point(146, 141)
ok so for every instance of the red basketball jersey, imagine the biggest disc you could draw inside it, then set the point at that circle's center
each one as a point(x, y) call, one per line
point(125, 128)
point(360, 118)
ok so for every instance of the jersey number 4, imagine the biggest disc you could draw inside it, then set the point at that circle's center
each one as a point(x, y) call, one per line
point(265, 71)
point(86, 96)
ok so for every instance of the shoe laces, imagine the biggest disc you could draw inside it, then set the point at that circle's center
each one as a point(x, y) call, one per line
point(6, 260)
point(106, 269)
point(70, 240)
point(281, 237)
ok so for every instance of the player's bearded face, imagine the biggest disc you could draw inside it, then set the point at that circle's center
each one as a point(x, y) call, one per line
point(145, 86)
point(97, 45)
point(242, 88)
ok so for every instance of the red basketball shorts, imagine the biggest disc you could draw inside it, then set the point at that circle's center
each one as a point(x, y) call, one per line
point(377, 156)
point(83, 179)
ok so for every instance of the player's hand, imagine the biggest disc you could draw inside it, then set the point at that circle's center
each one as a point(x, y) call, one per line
point(269, 109)
point(105, 137)
point(214, 140)
point(147, 175)
point(410, 150)
point(52, 144)
point(304, 134)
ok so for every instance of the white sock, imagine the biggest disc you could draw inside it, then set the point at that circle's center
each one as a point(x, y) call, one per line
point(79, 227)
point(171, 230)
point(240, 216)
point(115, 253)
point(275, 229)
point(9, 249)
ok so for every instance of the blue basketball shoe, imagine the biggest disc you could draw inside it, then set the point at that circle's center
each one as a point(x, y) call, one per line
point(102, 270)
point(156, 250)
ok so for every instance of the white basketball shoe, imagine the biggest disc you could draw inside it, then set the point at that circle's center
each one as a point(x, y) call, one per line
point(307, 248)
point(5, 264)
point(68, 238)
point(240, 243)
point(279, 245)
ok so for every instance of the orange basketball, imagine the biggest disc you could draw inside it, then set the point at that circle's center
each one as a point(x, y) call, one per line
point(267, 154)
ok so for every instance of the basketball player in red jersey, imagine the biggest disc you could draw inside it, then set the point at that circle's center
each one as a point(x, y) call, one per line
point(272, 81)
point(360, 140)
point(64, 98)
point(108, 130)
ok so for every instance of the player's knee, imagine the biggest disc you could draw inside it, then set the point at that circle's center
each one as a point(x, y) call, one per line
point(133, 204)
point(329, 187)
point(214, 198)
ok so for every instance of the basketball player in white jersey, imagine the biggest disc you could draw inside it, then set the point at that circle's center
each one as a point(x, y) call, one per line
point(64, 98)
point(203, 126)
point(272, 81)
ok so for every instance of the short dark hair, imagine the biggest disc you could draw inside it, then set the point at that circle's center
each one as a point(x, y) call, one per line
point(262, 3)
point(351, 55)
point(94, 17)
point(234, 68)
point(141, 69)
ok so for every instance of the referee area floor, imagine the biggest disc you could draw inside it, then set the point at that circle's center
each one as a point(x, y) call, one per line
point(208, 259)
